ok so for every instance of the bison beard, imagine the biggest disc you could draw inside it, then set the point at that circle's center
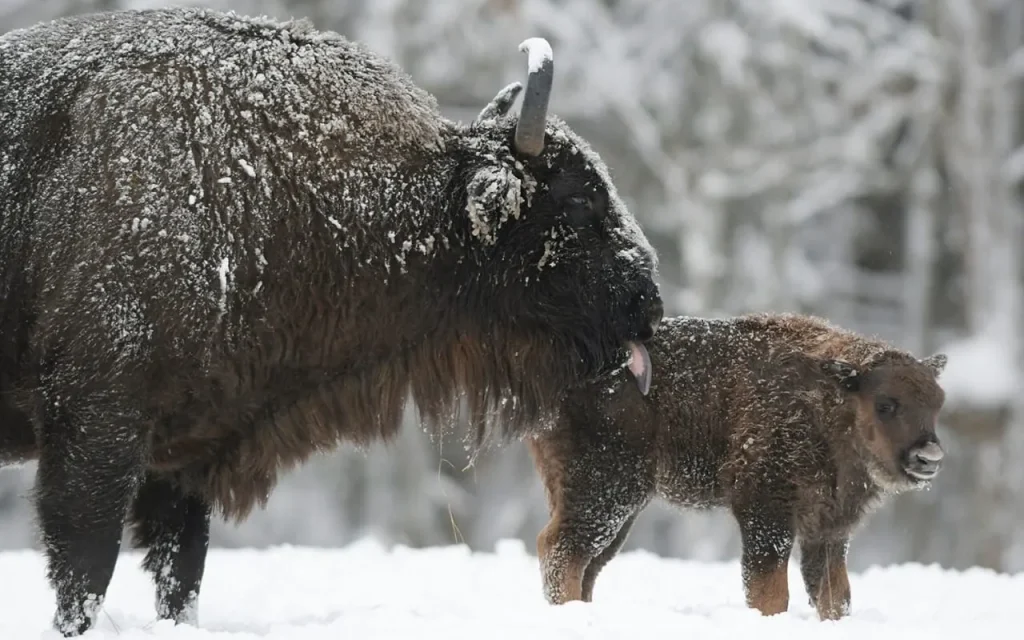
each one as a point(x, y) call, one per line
point(227, 243)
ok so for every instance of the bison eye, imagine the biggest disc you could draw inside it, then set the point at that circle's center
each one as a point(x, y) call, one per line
point(578, 200)
point(886, 406)
point(579, 208)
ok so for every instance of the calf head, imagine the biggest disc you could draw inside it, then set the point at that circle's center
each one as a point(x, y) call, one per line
point(896, 400)
point(562, 271)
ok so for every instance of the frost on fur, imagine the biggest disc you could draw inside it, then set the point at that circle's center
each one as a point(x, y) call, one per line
point(227, 243)
point(494, 195)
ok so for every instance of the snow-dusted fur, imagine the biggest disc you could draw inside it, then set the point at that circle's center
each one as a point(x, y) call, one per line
point(799, 427)
point(226, 243)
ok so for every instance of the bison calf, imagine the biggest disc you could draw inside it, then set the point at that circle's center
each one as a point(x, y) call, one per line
point(797, 426)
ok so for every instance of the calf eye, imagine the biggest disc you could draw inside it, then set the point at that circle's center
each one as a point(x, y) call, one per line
point(886, 406)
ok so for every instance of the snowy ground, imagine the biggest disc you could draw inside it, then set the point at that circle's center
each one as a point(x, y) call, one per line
point(364, 591)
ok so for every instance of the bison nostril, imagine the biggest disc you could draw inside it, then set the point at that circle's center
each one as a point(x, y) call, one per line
point(929, 454)
point(655, 313)
point(648, 310)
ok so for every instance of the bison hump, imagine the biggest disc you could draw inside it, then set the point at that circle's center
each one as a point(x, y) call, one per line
point(252, 77)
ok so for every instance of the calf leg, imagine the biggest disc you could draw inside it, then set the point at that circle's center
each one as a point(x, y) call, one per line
point(823, 566)
point(564, 554)
point(175, 527)
point(91, 459)
point(598, 563)
point(767, 539)
point(571, 541)
point(592, 493)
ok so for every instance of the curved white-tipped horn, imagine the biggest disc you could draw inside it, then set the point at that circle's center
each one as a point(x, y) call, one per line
point(533, 113)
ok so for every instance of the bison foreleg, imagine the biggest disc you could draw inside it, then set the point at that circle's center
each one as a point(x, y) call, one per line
point(91, 457)
point(175, 527)
point(767, 542)
point(823, 566)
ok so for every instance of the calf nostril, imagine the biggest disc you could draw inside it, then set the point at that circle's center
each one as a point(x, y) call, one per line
point(929, 454)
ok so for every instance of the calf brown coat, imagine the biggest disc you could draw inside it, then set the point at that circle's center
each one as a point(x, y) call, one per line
point(795, 425)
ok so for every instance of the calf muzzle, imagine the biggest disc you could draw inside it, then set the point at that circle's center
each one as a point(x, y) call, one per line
point(923, 461)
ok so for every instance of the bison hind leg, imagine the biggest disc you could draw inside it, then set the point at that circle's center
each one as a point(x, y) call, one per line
point(174, 527)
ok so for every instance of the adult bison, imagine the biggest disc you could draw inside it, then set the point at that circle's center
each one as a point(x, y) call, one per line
point(226, 243)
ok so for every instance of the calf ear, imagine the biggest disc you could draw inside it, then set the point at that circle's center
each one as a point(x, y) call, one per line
point(843, 372)
point(936, 363)
point(492, 197)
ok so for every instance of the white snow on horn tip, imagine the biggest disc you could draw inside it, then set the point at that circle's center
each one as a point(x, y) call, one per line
point(539, 50)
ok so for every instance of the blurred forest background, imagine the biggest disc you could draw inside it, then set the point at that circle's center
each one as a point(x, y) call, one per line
point(858, 159)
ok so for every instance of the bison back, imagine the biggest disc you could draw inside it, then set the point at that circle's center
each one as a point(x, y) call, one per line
point(149, 160)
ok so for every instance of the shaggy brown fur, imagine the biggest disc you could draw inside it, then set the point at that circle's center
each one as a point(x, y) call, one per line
point(797, 426)
point(227, 243)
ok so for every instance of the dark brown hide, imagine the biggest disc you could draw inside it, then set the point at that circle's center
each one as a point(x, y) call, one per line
point(228, 243)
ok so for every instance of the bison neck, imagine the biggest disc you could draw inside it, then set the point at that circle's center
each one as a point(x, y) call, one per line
point(370, 276)
point(361, 308)
point(844, 492)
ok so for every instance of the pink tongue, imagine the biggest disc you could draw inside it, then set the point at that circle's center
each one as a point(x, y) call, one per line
point(640, 366)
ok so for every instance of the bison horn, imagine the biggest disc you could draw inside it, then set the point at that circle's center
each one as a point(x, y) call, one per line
point(501, 103)
point(533, 112)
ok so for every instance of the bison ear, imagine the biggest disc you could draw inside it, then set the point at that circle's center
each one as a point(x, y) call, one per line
point(843, 372)
point(936, 363)
point(492, 197)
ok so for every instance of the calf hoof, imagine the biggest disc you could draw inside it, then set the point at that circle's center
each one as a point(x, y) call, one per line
point(835, 612)
point(771, 611)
